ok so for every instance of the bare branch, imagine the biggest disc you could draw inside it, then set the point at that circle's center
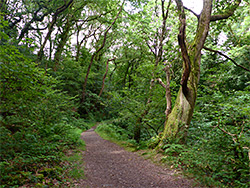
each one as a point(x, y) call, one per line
point(234, 136)
point(38, 29)
point(216, 51)
point(197, 15)
point(150, 48)
point(161, 82)
point(228, 133)
point(95, 17)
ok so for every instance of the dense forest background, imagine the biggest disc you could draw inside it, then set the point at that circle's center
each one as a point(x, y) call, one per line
point(156, 74)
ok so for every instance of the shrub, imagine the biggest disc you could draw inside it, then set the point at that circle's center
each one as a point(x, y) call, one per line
point(35, 121)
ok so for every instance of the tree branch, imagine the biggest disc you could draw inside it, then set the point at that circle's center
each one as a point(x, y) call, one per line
point(161, 82)
point(168, 91)
point(227, 13)
point(182, 44)
point(98, 50)
point(197, 15)
point(150, 48)
point(104, 77)
point(216, 51)
point(38, 29)
point(162, 36)
point(58, 11)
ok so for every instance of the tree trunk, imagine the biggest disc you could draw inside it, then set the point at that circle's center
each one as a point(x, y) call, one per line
point(63, 40)
point(50, 29)
point(104, 77)
point(97, 51)
point(179, 119)
point(158, 58)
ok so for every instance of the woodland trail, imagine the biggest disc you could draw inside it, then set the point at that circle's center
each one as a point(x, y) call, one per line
point(109, 165)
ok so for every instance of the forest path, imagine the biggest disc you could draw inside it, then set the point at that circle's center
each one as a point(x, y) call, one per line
point(109, 165)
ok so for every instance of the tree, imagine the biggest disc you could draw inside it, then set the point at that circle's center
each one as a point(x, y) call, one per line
point(33, 118)
point(98, 50)
point(57, 12)
point(179, 119)
point(160, 36)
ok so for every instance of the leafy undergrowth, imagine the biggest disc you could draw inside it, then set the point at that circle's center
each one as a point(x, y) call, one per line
point(73, 165)
point(116, 134)
point(46, 164)
point(39, 123)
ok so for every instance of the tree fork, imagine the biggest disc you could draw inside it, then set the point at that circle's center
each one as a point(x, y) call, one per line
point(97, 51)
point(58, 11)
point(158, 58)
point(179, 119)
point(104, 77)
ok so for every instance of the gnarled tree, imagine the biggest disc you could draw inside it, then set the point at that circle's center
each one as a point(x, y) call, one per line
point(179, 119)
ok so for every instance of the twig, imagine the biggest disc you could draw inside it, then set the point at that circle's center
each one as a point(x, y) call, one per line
point(216, 51)
point(104, 77)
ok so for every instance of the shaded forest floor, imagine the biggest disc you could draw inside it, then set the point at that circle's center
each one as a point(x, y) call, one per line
point(109, 165)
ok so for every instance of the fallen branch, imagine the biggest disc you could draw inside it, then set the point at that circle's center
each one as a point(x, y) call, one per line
point(235, 137)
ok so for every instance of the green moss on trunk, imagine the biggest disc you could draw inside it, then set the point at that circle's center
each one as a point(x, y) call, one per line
point(179, 119)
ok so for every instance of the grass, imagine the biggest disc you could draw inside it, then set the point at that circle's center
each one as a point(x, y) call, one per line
point(75, 167)
point(73, 161)
point(115, 135)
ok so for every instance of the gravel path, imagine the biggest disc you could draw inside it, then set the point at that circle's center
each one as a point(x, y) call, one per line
point(109, 165)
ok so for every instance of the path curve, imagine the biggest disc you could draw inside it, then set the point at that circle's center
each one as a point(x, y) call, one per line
point(109, 165)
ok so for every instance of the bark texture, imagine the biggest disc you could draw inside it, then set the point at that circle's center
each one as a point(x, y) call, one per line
point(179, 119)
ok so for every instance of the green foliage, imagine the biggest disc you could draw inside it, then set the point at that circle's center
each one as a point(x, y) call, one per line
point(112, 132)
point(76, 166)
point(72, 162)
point(40, 110)
point(36, 121)
point(226, 155)
point(218, 141)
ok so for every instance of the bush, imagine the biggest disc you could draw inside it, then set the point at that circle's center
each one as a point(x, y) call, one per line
point(218, 140)
point(35, 122)
point(112, 132)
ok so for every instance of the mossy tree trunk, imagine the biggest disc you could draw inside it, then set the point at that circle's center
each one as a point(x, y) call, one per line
point(178, 120)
